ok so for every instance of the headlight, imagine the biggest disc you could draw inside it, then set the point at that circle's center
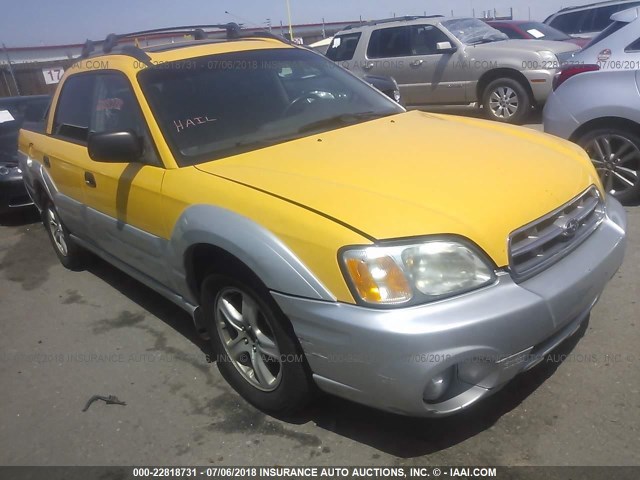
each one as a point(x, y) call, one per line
point(549, 58)
point(396, 96)
point(417, 273)
point(8, 169)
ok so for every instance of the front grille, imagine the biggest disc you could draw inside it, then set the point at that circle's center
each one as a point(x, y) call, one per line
point(543, 242)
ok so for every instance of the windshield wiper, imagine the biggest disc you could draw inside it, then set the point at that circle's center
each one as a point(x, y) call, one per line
point(484, 40)
point(342, 119)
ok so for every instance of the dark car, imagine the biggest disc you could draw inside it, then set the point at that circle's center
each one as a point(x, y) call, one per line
point(386, 85)
point(526, 30)
point(14, 113)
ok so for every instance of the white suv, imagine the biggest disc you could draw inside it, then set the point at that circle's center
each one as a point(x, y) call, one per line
point(588, 20)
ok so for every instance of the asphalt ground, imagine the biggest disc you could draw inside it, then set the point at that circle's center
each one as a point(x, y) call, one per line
point(66, 336)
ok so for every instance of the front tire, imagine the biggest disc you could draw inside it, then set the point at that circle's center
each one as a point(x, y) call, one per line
point(70, 254)
point(257, 351)
point(506, 100)
point(615, 153)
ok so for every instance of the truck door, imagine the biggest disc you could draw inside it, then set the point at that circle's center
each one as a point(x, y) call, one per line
point(64, 151)
point(123, 200)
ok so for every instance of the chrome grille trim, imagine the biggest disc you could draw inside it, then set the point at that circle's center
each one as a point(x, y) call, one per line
point(543, 242)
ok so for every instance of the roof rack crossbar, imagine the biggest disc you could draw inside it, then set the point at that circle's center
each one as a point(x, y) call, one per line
point(405, 18)
point(110, 43)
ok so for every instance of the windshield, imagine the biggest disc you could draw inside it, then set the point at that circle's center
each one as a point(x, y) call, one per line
point(221, 105)
point(472, 31)
point(541, 31)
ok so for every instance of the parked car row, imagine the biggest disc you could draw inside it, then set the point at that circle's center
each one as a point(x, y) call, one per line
point(436, 60)
point(509, 66)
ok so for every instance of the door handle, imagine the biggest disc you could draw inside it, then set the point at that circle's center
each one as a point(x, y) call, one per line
point(46, 161)
point(90, 180)
point(417, 63)
point(368, 66)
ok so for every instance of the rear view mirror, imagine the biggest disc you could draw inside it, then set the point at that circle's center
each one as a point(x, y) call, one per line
point(445, 47)
point(115, 147)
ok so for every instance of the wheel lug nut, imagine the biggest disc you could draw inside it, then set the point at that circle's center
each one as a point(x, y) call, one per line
point(246, 341)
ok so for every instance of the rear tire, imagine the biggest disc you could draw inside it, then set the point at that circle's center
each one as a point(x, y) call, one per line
point(257, 351)
point(506, 100)
point(70, 254)
point(615, 153)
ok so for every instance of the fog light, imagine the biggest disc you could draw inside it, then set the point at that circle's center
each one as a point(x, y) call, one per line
point(438, 385)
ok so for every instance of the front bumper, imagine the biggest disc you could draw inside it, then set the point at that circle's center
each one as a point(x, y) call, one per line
point(541, 82)
point(386, 358)
point(13, 194)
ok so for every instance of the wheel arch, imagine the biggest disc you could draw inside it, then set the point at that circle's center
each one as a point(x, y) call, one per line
point(209, 238)
point(498, 73)
point(604, 122)
point(204, 259)
point(41, 195)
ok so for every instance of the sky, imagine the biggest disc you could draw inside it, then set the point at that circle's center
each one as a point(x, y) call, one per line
point(47, 22)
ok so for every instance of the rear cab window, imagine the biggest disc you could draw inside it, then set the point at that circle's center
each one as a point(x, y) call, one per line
point(343, 47)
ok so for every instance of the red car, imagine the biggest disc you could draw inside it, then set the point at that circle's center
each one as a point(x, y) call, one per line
point(523, 29)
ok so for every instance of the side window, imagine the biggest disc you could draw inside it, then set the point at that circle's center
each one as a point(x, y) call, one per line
point(602, 18)
point(390, 42)
point(572, 22)
point(634, 47)
point(73, 111)
point(115, 108)
point(425, 38)
point(343, 47)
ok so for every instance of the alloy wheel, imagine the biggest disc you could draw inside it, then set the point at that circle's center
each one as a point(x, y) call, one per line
point(504, 102)
point(248, 339)
point(57, 231)
point(617, 160)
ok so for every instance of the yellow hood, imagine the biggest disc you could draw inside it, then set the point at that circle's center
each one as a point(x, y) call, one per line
point(420, 174)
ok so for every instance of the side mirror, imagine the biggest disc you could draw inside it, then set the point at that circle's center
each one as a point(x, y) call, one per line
point(115, 147)
point(445, 47)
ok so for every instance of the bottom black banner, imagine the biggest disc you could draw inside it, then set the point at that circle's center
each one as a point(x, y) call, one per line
point(321, 473)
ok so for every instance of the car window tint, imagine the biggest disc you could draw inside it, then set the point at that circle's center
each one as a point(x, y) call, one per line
point(572, 22)
point(115, 109)
point(343, 47)
point(634, 47)
point(607, 32)
point(425, 38)
point(207, 111)
point(602, 17)
point(508, 31)
point(73, 111)
point(390, 42)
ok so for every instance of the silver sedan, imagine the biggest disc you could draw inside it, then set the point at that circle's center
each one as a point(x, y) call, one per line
point(600, 110)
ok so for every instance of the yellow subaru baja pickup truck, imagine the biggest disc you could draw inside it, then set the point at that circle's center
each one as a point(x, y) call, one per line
point(320, 234)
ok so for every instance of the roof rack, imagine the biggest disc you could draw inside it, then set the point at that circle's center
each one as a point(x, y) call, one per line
point(405, 18)
point(110, 43)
